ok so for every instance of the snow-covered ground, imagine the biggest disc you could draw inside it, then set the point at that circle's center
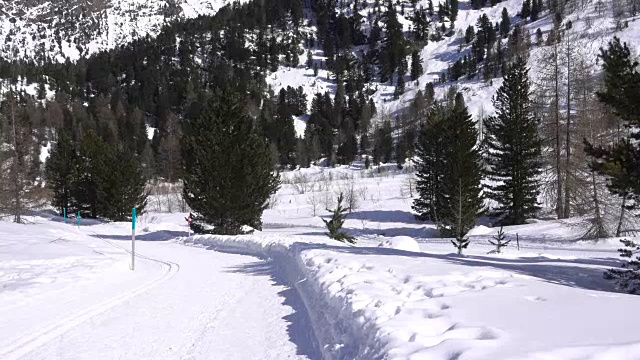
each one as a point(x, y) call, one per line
point(290, 292)
point(68, 293)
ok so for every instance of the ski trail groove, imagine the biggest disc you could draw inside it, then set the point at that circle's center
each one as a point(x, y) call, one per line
point(22, 345)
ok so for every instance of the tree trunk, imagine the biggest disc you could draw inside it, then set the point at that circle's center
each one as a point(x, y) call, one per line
point(600, 231)
point(559, 207)
point(15, 165)
point(567, 199)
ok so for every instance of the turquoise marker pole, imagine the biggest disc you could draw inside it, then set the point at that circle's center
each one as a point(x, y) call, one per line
point(78, 219)
point(64, 211)
point(133, 237)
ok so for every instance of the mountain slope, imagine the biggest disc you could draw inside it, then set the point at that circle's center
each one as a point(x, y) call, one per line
point(71, 29)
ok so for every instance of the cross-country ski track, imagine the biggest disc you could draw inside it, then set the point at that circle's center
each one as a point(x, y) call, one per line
point(180, 302)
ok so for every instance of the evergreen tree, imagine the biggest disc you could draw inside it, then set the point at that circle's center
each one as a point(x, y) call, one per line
point(620, 162)
point(88, 173)
point(168, 158)
point(499, 242)
point(228, 177)
point(470, 34)
point(535, 10)
point(337, 221)
point(453, 12)
point(309, 59)
point(59, 171)
point(120, 191)
point(526, 9)
point(383, 143)
point(399, 90)
point(514, 148)
point(285, 131)
point(416, 65)
point(430, 164)
point(459, 201)
point(505, 23)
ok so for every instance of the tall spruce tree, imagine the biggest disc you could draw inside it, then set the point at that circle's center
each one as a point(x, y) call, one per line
point(505, 23)
point(430, 164)
point(513, 152)
point(459, 200)
point(526, 9)
point(453, 12)
point(89, 171)
point(535, 10)
point(59, 171)
point(120, 191)
point(416, 65)
point(228, 177)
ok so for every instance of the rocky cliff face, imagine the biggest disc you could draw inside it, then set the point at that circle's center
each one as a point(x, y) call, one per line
point(38, 29)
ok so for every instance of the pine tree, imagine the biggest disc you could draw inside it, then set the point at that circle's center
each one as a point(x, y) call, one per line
point(383, 143)
point(309, 59)
point(168, 160)
point(120, 191)
point(430, 164)
point(526, 9)
point(337, 221)
point(416, 65)
point(228, 177)
point(59, 171)
point(89, 170)
point(453, 12)
point(399, 90)
point(469, 34)
point(514, 148)
point(499, 241)
point(459, 201)
point(505, 24)
point(535, 10)
point(620, 162)
point(285, 133)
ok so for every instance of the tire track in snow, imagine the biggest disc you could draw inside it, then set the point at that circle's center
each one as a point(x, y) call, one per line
point(17, 347)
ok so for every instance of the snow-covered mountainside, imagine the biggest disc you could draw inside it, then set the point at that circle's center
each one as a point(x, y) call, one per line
point(77, 28)
point(70, 29)
point(593, 26)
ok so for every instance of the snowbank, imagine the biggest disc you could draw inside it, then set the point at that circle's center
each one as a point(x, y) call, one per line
point(401, 243)
point(381, 303)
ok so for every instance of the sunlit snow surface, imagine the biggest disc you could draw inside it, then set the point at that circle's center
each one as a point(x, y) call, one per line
point(290, 292)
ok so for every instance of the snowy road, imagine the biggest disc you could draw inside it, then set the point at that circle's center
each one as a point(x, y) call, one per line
point(181, 303)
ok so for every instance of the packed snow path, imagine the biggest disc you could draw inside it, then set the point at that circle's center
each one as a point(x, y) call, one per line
point(180, 303)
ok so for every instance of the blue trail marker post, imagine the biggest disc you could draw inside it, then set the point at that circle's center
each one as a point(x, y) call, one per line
point(133, 237)
point(64, 213)
point(78, 219)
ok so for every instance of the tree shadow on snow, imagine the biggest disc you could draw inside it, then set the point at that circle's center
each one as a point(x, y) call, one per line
point(421, 232)
point(586, 273)
point(161, 235)
point(299, 326)
point(394, 216)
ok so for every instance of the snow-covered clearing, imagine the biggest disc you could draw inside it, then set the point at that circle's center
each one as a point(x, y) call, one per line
point(289, 292)
point(69, 294)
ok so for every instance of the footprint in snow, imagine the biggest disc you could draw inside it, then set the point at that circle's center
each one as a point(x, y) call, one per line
point(535, 298)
